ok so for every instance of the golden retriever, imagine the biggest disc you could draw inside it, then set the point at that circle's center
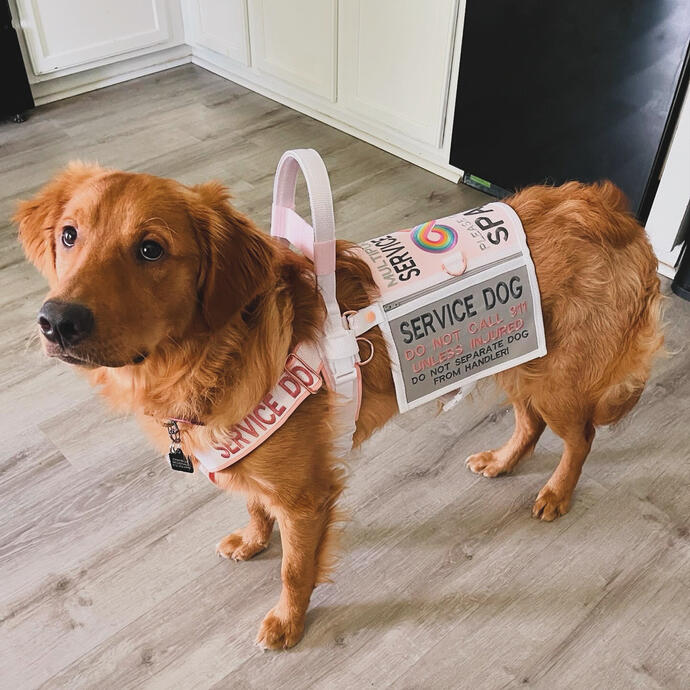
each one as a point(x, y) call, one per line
point(176, 305)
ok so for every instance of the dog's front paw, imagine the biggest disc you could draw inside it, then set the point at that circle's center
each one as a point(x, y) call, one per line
point(277, 632)
point(238, 548)
point(550, 504)
point(486, 464)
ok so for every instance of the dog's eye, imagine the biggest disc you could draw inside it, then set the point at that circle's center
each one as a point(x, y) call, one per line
point(69, 235)
point(150, 250)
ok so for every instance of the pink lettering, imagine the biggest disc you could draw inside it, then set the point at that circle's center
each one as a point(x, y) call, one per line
point(237, 437)
point(270, 419)
point(290, 386)
point(248, 428)
point(232, 446)
point(303, 374)
point(257, 420)
point(270, 402)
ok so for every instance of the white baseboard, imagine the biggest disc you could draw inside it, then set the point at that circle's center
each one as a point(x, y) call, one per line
point(440, 168)
point(53, 89)
point(99, 77)
point(666, 270)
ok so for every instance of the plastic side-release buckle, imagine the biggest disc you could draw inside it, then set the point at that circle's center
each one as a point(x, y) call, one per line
point(340, 353)
point(340, 345)
point(347, 375)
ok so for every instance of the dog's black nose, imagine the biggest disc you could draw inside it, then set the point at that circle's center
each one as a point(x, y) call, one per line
point(65, 323)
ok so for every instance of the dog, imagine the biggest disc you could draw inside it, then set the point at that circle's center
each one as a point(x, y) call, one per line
point(176, 306)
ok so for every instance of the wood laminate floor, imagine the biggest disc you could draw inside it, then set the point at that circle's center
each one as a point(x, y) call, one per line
point(108, 576)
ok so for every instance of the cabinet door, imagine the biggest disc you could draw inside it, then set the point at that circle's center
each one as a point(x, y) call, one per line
point(296, 42)
point(394, 63)
point(66, 33)
point(221, 26)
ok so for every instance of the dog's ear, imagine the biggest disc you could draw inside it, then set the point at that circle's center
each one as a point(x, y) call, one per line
point(37, 217)
point(237, 260)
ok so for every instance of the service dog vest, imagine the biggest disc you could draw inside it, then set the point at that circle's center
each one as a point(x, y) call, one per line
point(459, 301)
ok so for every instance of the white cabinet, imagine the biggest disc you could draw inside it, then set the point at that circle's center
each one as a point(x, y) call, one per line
point(295, 41)
point(221, 26)
point(395, 61)
point(62, 34)
point(382, 70)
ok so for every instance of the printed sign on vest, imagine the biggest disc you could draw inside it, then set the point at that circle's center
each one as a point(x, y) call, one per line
point(460, 299)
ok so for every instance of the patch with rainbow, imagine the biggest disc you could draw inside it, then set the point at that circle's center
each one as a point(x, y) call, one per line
point(434, 237)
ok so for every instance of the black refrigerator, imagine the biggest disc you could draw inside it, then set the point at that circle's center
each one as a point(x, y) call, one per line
point(570, 90)
point(15, 94)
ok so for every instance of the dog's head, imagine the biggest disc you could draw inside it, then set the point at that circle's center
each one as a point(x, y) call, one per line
point(134, 260)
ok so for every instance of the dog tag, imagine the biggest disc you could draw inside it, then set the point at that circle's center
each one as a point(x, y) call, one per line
point(179, 461)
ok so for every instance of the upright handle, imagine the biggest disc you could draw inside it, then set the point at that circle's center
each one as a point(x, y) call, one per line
point(316, 241)
point(338, 346)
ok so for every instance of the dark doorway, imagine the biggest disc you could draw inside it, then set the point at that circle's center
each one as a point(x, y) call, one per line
point(15, 94)
point(556, 91)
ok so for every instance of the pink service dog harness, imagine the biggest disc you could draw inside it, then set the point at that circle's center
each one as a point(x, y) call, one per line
point(459, 301)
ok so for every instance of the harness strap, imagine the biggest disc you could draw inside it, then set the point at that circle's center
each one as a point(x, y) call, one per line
point(300, 378)
point(338, 346)
point(316, 241)
point(365, 319)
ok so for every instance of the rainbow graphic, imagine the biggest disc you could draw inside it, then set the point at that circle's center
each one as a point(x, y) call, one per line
point(434, 238)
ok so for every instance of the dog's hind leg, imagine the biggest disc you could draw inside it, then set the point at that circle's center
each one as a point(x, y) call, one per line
point(554, 498)
point(529, 426)
point(250, 540)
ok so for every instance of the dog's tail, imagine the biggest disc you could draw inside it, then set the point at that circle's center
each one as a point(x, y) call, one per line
point(633, 366)
point(602, 213)
point(611, 196)
point(605, 218)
